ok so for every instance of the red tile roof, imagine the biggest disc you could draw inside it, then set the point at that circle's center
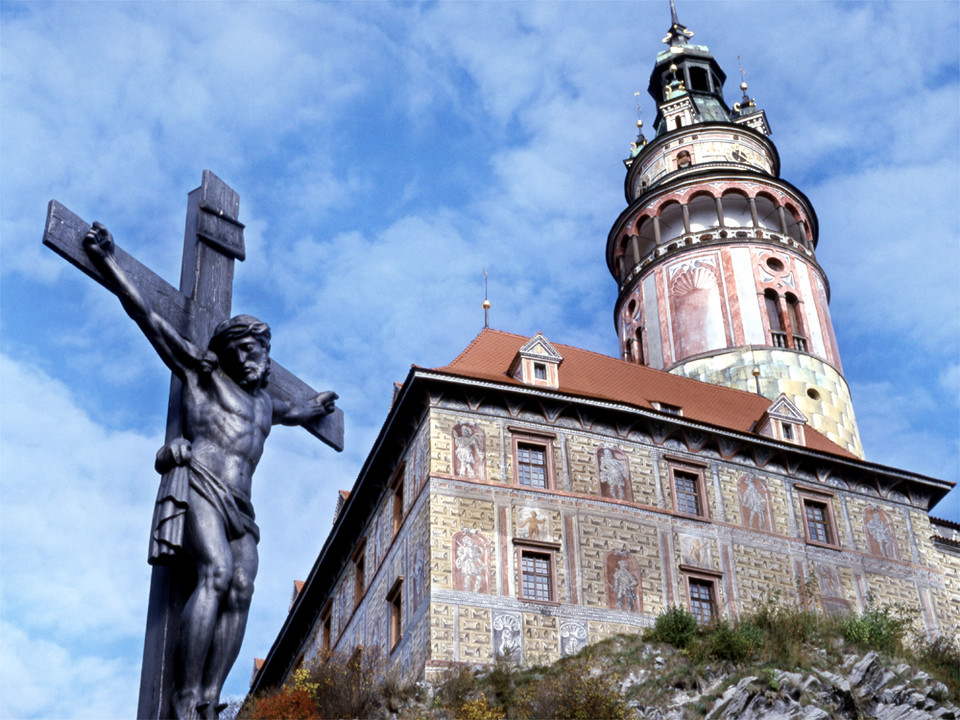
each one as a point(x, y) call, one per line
point(592, 375)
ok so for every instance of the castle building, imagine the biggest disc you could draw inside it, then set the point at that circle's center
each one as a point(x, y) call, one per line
point(530, 497)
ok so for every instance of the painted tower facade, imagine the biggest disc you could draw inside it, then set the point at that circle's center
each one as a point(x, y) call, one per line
point(714, 255)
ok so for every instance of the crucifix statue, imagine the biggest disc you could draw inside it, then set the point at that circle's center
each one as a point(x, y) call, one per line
point(226, 393)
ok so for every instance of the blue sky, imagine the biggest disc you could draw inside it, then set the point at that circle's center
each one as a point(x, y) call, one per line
point(384, 154)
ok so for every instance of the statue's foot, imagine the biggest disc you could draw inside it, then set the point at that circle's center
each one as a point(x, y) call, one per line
point(185, 706)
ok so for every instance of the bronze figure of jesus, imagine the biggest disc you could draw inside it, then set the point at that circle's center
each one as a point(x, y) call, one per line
point(227, 414)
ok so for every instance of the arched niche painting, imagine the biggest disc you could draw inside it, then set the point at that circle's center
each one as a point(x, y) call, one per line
point(573, 637)
point(471, 562)
point(696, 308)
point(755, 508)
point(468, 451)
point(507, 638)
point(622, 580)
point(614, 473)
point(880, 532)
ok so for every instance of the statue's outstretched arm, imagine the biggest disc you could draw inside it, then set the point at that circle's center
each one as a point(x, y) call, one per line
point(297, 413)
point(177, 352)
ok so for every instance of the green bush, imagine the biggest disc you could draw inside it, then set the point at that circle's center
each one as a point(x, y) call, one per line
point(879, 628)
point(734, 643)
point(675, 626)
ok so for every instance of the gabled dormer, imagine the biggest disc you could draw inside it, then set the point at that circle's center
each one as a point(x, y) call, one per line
point(782, 421)
point(537, 363)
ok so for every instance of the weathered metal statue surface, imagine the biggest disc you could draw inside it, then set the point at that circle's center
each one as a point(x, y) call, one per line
point(225, 398)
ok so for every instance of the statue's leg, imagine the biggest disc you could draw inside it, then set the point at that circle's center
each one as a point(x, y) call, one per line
point(232, 622)
point(206, 542)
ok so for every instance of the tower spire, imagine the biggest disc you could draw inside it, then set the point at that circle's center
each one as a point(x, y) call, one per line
point(678, 33)
point(711, 226)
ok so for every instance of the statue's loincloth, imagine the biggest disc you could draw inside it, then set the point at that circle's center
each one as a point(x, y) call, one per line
point(173, 499)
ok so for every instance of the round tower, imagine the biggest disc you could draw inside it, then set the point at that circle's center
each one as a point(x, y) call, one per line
point(714, 255)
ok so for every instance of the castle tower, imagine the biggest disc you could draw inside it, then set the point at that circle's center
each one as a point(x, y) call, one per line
point(714, 255)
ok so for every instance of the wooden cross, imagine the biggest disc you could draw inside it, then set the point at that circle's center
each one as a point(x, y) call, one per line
point(213, 239)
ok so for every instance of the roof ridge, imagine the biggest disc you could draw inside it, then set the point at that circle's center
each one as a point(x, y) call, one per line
point(476, 339)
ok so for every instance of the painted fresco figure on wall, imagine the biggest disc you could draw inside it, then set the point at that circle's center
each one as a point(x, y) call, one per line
point(471, 565)
point(754, 503)
point(614, 473)
point(625, 587)
point(622, 579)
point(532, 526)
point(468, 451)
point(881, 537)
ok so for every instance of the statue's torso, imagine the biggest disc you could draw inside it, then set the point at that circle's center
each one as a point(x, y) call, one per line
point(227, 426)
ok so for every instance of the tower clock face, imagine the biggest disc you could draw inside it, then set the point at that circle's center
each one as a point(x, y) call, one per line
point(739, 155)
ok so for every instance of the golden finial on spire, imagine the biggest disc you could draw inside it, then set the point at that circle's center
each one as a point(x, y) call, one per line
point(641, 140)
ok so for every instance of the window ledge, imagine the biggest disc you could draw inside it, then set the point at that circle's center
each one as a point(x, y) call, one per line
point(827, 546)
point(687, 516)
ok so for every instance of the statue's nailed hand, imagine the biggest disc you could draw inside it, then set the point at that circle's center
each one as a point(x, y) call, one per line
point(323, 403)
point(175, 453)
point(98, 243)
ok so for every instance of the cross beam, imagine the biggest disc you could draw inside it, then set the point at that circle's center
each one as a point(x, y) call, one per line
point(64, 235)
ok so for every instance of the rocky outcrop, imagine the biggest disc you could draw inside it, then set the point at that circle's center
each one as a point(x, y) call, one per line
point(862, 688)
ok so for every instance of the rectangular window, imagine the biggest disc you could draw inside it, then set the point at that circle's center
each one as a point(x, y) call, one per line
point(326, 627)
point(531, 465)
point(689, 493)
point(395, 599)
point(817, 524)
point(539, 371)
point(397, 486)
point(702, 601)
point(359, 570)
point(536, 572)
point(532, 459)
point(818, 521)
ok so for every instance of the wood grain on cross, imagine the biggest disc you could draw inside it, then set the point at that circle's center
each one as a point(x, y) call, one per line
point(213, 240)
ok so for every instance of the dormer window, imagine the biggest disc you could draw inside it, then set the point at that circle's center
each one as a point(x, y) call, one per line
point(783, 421)
point(667, 408)
point(537, 363)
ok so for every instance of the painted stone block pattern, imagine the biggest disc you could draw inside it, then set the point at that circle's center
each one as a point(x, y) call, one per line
point(475, 634)
point(443, 632)
point(541, 637)
point(449, 515)
point(604, 535)
point(763, 572)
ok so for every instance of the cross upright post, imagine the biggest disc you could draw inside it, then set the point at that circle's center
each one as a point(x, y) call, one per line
point(213, 240)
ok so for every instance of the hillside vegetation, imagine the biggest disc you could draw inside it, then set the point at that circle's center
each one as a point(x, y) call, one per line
point(778, 662)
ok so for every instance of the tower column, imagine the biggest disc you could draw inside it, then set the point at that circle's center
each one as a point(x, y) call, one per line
point(715, 309)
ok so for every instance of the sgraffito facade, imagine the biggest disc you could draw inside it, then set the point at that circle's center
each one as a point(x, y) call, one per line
point(521, 521)
point(531, 498)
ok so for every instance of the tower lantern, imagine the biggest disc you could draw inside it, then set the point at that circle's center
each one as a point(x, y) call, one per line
point(714, 255)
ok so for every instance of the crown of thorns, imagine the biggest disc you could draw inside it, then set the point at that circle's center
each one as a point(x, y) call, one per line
point(238, 327)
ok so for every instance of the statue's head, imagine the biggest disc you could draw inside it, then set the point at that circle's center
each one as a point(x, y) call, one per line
point(242, 347)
